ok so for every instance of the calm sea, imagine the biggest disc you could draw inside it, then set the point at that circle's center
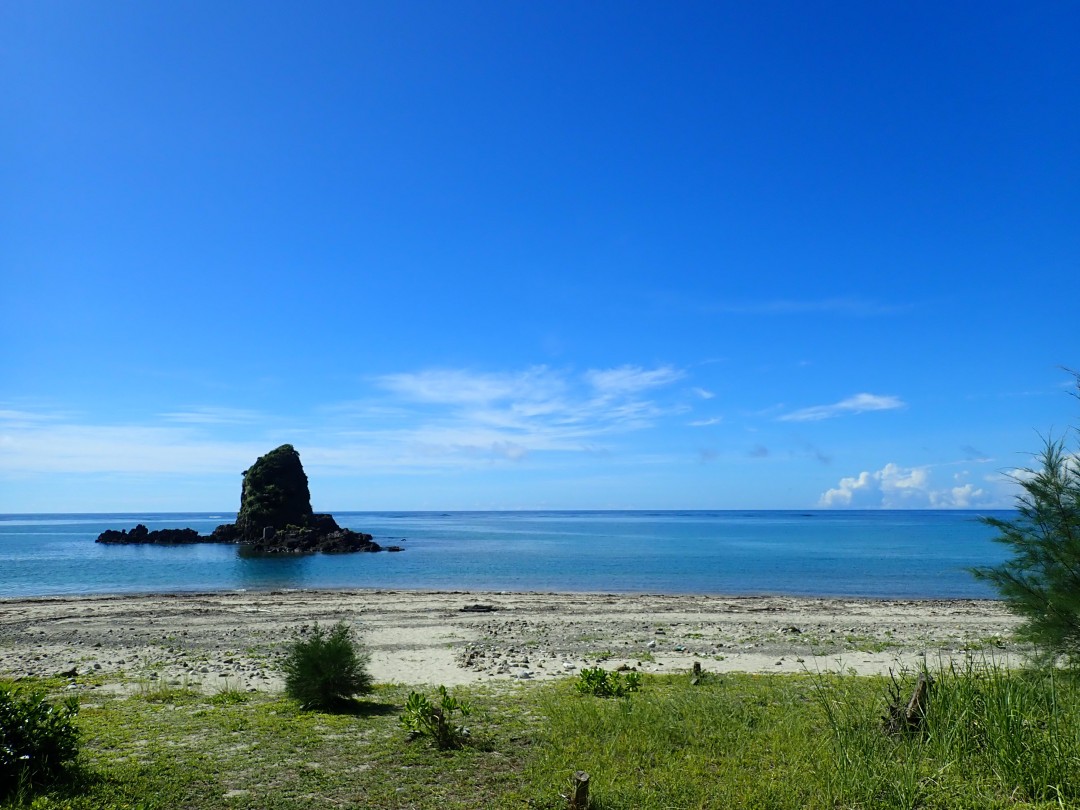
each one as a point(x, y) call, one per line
point(898, 554)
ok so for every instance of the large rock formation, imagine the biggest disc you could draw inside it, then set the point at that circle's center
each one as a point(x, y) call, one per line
point(274, 495)
point(275, 516)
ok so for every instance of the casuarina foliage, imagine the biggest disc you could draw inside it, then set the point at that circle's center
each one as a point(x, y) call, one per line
point(1041, 582)
point(326, 669)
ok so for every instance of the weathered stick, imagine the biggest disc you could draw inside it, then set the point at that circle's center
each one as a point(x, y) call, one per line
point(903, 719)
point(579, 791)
point(915, 713)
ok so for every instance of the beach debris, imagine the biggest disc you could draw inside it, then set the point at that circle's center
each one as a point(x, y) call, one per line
point(478, 608)
point(901, 718)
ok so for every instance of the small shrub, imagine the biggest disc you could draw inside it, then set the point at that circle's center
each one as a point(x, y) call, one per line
point(325, 670)
point(424, 719)
point(37, 738)
point(601, 683)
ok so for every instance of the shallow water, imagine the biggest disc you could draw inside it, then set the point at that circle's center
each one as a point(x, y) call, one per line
point(894, 554)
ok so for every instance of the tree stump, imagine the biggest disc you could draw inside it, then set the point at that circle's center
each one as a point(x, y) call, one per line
point(909, 718)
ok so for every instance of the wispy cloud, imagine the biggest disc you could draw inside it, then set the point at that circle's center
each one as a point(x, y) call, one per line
point(715, 420)
point(847, 306)
point(631, 379)
point(90, 448)
point(510, 415)
point(701, 392)
point(859, 403)
point(463, 387)
point(212, 416)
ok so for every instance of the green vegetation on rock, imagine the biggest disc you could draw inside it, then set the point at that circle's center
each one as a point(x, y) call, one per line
point(274, 494)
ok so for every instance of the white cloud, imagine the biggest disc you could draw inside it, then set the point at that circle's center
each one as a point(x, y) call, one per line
point(630, 379)
point(459, 386)
point(427, 420)
point(212, 416)
point(859, 403)
point(896, 487)
point(510, 415)
point(704, 394)
point(716, 420)
point(79, 448)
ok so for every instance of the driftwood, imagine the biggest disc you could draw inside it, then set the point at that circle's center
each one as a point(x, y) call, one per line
point(478, 608)
point(910, 717)
point(579, 791)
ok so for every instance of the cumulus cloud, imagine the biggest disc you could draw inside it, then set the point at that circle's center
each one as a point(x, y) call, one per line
point(859, 403)
point(897, 487)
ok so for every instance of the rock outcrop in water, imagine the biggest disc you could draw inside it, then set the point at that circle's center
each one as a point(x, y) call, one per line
point(165, 537)
point(275, 516)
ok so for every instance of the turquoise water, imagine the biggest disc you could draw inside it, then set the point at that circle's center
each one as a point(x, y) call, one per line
point(897, 554)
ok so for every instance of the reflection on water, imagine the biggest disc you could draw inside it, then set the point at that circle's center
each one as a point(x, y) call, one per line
point(257, 570)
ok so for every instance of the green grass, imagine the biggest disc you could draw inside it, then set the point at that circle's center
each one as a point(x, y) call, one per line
point(993, 739)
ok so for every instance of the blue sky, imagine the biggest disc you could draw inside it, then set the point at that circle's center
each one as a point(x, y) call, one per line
point(499, 255)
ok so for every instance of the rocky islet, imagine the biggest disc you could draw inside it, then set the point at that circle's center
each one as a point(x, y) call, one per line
point(275, 516)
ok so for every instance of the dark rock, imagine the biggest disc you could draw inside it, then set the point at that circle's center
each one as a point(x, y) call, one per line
point(306, 540)
point(140, 534)
point(274, 493)
point(275, 516)
point(226, 533)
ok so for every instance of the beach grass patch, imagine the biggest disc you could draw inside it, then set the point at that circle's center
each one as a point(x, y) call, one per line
point(992, 738)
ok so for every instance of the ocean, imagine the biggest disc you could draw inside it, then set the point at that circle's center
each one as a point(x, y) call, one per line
point(883, 554)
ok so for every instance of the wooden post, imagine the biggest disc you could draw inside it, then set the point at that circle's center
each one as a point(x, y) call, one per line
point(579, 791)
point(695, 674)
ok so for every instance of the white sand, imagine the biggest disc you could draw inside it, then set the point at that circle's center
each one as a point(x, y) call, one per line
point(420, 637)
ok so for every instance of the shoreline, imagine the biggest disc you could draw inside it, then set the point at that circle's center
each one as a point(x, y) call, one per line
point(232, 639)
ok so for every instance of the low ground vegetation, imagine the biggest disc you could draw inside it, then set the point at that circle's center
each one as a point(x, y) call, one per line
point(599, 682)
point(38, 739)
point(992, 738)
point(438, 720)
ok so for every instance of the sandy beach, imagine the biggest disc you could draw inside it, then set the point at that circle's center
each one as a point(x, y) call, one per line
point(234, 640)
